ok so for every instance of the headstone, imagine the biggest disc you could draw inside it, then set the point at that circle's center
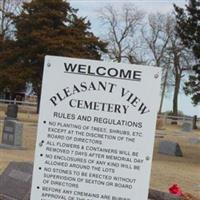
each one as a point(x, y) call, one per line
point(15, 182)
point(12, 133)
point(158, 195)
point(174, 120)
point(170, 148)
point(12, 111)
point(195, 122)
point(197, 187)
point(12, 129)
point(194, 140)
point(187, 127)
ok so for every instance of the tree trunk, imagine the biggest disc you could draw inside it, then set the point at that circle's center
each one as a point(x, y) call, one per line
point(38, 102)
point(163, 91)
point(176, 93)
point(38, 92)
point(195, 122)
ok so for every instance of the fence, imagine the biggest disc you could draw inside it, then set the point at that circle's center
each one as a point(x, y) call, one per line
point(22, 103)
point(30, 108)
point(27, 110)
point(169, 119)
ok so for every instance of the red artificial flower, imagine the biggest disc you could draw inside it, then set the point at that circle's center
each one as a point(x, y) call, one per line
point(175, 190)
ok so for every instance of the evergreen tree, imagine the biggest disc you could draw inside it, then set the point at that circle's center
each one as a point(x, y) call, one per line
point(51, 27)
point(12, 77)
point(8, 79)
point(188, 28)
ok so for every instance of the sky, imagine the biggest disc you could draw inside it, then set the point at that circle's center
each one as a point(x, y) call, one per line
point(91, 8)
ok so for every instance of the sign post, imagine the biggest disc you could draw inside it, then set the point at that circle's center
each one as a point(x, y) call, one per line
point(96, 130)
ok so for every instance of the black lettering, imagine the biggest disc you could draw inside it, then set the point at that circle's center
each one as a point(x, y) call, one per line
point(82, 68)
point(53, 100)
point(70, 67)
point(143, 109)
point(137, 75)
point(126, 74)
point(103, 71)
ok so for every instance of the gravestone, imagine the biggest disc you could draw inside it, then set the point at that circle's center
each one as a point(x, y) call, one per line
point(12, 129)
point(12, 133)
point(195, 122)
point(12, 111)
point(197, 187)
point(194, 140)
point(15, 182)
point(187, 127)
point(158, 195)
point(170, 148)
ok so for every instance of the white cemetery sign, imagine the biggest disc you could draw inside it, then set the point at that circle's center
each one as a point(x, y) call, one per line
point(96, 130)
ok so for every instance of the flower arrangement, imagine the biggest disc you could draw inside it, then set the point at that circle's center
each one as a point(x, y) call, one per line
point(177, 191)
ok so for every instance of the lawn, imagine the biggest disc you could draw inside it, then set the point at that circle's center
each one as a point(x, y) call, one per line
point(166, 170)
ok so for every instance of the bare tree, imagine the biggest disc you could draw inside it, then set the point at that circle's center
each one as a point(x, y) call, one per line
point(156, 36)
point(181, 61)
point(122, 27)
point(168, 52)
point(8, 8)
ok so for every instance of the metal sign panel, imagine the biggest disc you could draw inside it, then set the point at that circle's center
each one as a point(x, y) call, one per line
point(96, 130)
